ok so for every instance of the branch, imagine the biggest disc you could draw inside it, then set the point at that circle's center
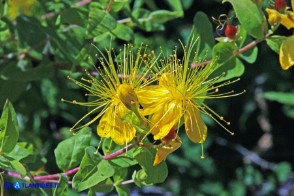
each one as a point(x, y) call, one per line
point(236, 53)
point(117, 153)
point(46, 178)
point(109, 6)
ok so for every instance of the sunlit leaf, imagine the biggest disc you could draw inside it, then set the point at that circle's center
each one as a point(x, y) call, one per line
point(8, 128)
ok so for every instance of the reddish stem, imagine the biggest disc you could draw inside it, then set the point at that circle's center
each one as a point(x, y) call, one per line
point(72, 171)
point(117, 153)
point(240, 51)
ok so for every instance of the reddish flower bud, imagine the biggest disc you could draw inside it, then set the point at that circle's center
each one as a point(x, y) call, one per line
point(280, 5)
point(231, 31)
point(171, 135)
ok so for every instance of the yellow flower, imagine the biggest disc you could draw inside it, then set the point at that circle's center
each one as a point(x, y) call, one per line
point(17, 7)
point(113, 93)
point(287, 53)
point(178, 97)
point(286, 19)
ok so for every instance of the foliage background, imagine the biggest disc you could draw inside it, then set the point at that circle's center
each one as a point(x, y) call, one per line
point(33, 72)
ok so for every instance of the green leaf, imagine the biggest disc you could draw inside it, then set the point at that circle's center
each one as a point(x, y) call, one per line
point(92, 171)
point(236, 71)
point(21, 151)
point(281, 97)
point(73, 16)
point(187, 4)
point(288, 110)
point(241, 37)
point(275, 42)
point(5, 163)
point(18, 167)
point(142, 20)
point(155, 174)
point(250, 56)
point(121, 161)
point(86, 56)
point(118, 5)
point(14, 73)
point(105, 187)
point(69, 152)
point(8, 128)
point(31, 32)
point(283, 170)
point(162, 16)
point(99, 22)
point(123, 32)
point(122, 191)
point(176, 5)
point(120, 174)
point(11, 90)
point(62, 189)
point(223, 52)
point(250, 17)
point(203, 28)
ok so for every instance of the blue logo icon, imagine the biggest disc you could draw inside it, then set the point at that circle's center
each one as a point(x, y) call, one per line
point(16, 185)
point(7, 185)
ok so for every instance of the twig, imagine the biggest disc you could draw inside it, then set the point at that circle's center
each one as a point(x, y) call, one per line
point(117, 153)
point(69, 172)
point(236, 53)
point(109, 6)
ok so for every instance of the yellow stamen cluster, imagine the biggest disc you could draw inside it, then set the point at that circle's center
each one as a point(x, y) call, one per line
point(113, 94)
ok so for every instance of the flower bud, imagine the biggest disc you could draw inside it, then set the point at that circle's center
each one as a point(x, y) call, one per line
point(280, 5)
point(231, 31)
point(171, 135)
point(127, 96)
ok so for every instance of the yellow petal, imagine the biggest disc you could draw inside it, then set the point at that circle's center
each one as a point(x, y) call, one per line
point(103, 128)
point(112, 125)
point(165, 119)
point(196, 130)
point(287, 20)
point(164, 150)
point(152, 98)
point(167, 80)
point(292, 4)
point(274, 17)
point(287, 53)
point(15, 7)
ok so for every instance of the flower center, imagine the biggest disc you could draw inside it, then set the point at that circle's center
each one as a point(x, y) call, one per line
point(179, 92)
